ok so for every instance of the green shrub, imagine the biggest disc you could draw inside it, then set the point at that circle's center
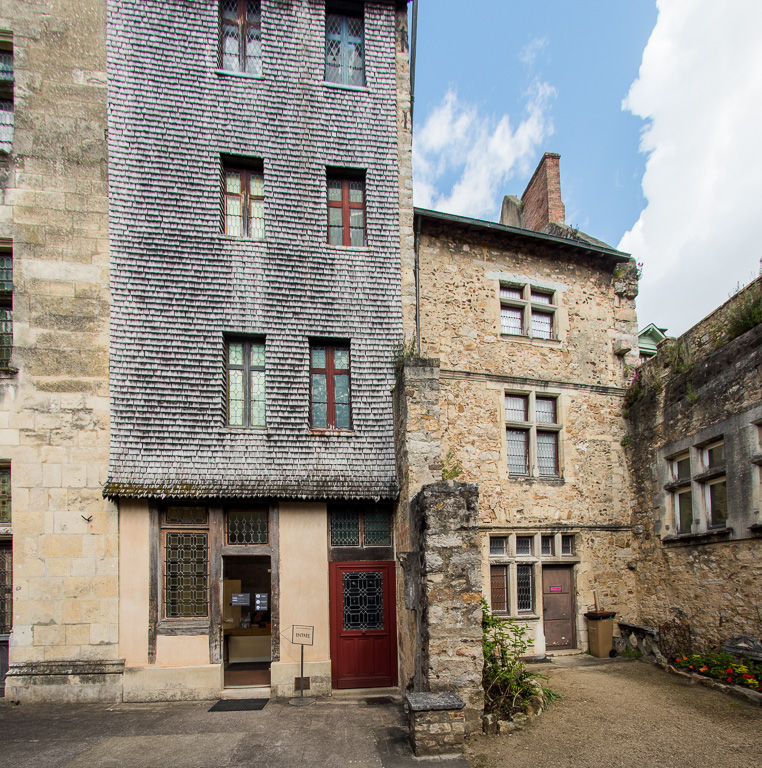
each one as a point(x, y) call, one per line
point(745, 312)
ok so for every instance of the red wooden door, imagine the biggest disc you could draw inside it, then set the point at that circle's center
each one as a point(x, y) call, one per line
point(363, 625)
point(558, 606)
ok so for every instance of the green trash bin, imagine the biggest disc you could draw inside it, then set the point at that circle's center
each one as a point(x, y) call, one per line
point(600, 633)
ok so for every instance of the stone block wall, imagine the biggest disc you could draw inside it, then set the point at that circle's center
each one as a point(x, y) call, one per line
point(711, 578)
point(64, 532)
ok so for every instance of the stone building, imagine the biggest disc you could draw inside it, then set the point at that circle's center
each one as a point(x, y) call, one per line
point(529, 327)
point(696, 462)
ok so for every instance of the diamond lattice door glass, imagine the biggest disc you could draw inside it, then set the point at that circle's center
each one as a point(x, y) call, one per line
point(363, 600)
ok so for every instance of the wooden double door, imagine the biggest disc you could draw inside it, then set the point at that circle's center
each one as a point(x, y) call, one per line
point(558, 606)
point(363, 625)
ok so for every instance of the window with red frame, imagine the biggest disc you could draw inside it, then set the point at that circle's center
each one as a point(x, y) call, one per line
point(329, 386)
point(244, 202)
point(346, 211)
point(241, 36)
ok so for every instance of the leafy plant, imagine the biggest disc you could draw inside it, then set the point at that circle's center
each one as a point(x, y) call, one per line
point(691, 395)
point(628, 652)
point(451, 468)
point(745, 312)
point(406, 349)
point(723, 666)
point(677, 355)
point(508, 685)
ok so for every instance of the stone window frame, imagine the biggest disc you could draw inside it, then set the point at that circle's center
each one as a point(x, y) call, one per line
point(248, 369)
point(742, 437)
point(509, 560)
point(531, 426)
point(680, 488)
point(528, 305)
point(344, 12)
point(244, 23)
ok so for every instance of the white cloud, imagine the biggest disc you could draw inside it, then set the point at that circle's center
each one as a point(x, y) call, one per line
point(700, 89)
point(528, 54)
point(481, 151)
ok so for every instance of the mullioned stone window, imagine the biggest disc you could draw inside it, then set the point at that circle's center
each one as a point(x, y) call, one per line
point(528, 311)
point(532, 435)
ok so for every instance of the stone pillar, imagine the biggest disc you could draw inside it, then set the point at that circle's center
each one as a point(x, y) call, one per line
point(451, 584)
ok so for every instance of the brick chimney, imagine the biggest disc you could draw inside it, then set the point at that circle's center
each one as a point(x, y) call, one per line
point(542, 197)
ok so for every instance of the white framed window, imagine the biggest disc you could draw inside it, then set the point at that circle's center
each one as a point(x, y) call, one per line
point(532, 428)
point(526, 310)
point(682, 492)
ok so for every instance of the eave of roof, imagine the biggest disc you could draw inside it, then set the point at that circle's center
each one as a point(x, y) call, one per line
point(492, 226)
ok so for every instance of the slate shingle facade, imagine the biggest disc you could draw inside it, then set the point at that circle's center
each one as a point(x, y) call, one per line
point(179, 285)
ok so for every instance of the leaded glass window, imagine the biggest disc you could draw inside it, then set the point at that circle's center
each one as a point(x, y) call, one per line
point(247, 526)
point(185, 515)
point(330, 399)
point(6, 588)
point(244, 199)
point(517, 441)
point(547, 454)
point(344, 49)
point(241, 36)
point(346, 211)
point(345, 529)
point(520, 314)
point(547, 545)
point(5, 494)
point(567, 545)
point(6, 308)
point(355, 528)
point(524, 588)
point(186, 574)
point(378, 529)
point(523, 545)
point(497, 545)
point(363, 600)
point(246, 382)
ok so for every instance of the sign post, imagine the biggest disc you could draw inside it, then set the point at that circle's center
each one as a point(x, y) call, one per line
point(301, 635)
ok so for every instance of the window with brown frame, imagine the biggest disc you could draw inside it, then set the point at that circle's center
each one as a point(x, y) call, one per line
point(353, 528)
point(346, 210)
point(243, 194)
point(344, 48)
point(330, 406)
point(241, 36)
point(247, 526)
point(499, 588)
point(245, 364)
point(185, 537)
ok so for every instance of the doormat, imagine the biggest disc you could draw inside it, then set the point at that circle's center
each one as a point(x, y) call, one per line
point(239, 705)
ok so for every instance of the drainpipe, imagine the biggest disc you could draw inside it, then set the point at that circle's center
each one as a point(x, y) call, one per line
point(414, 37)
point(416, 242)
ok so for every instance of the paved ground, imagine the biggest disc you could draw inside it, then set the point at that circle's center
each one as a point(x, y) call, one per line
point(614, 714)
point(629, 714)
point(332, 733)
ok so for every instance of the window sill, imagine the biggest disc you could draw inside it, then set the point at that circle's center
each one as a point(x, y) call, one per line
point(233, 239)
point(529, 339)
point(233, 73)
point(710, 474)
point(358, 248)
point(757, 459)
point(183, 627)
point(228, 430)
point(704, 537)
point(331, 433)
point(342, 87)
point(528, 479)
point(6, 372)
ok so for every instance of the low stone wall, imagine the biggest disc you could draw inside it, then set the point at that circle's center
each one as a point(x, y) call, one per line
point(59, 682)
point(437, 723)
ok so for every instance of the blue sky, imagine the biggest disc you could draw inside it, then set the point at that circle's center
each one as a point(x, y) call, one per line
point(672, 108)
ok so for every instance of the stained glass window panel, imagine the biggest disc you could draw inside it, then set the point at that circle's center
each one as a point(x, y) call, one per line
point(6, 125)
point(257, 184)
point(6, 66)
point(363, 600)
point(547, 454)
point(247, 526)
point(185, 515)
point(257, 355)
point(341, 358)
point(356, 192)
point(257, 220)
point(186, 574)
point(345, 529)
point(318, 357)
point(5, 495)
point(6, 335)
point(257, 417)
point(235, 353)
point(517, 442)
point(334, 190)
point(233, 216)
point(516, 407)
point(524, 587)
point(235, 398)
point(6, 273)
point(511, 321)
point(378, 529)
point(542, 325)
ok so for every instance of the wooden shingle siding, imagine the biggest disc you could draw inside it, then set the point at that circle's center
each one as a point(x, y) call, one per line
point(179, 284)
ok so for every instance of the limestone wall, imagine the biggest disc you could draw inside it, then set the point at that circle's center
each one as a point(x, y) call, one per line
point(708, 576)
point(65, 533)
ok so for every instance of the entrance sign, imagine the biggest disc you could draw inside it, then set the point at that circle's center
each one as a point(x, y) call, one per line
point(302, 635)
point(260, 601)
point(240, 598)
